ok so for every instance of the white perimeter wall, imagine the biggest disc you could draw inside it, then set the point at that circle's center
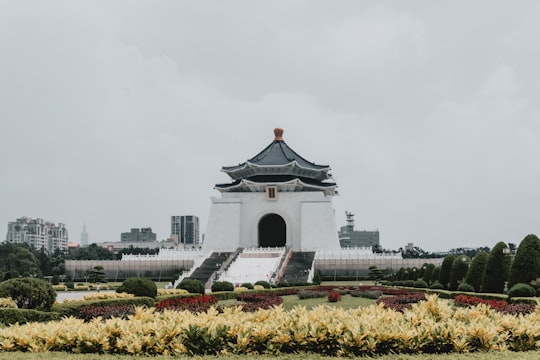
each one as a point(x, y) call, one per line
point(234, 219)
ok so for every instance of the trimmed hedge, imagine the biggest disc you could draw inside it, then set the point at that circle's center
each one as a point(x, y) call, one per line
point(71, 308)
point(10, 316)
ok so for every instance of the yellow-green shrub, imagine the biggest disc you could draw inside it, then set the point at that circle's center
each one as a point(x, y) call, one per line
point(108, 295)
point(161, 292)
point(8, 303)
point(428, 327)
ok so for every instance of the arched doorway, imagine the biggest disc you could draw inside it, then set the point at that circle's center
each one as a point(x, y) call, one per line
point(272, 231)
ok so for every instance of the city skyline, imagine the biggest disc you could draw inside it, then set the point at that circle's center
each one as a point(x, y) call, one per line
point(121, 114)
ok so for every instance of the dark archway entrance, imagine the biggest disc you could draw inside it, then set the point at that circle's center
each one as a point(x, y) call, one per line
point(272, 231)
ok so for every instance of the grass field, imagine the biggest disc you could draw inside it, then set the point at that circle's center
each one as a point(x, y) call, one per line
point(472, 356)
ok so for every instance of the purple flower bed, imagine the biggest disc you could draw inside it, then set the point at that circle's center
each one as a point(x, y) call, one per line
point(254, 302)
point(90, 312)
point(401, 302)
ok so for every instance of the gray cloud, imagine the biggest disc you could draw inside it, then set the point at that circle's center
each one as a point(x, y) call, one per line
point(122, 114)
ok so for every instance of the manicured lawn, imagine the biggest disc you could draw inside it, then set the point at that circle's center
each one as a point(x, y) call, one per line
point(347, 301)
point(473, 356)
point(291, 301)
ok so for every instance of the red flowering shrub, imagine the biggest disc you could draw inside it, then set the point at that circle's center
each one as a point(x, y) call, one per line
point(194, 304)
point(465, 300)
point(90, 312)
point(498, 305)
point(334, 296)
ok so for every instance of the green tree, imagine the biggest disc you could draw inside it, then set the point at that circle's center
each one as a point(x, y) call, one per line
point(20, 258)
point(96, 275)
point(375, 273)
point(476, 271)
point(526, 265)
point(446, 267)
point(497, 269)
point(29, 293)
point(92, 252)
point(459, 269)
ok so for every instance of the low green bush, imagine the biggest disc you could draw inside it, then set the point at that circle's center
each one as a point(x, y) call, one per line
point(222, 286)
point(247, 286)
point(303, 294)
point(10, 316)
point(264, 284)
point(138, 287)
point(522, 290)
point(465, 287)
point(420, 283)
point(370, 294)
point(437, 285)
point(192, 285)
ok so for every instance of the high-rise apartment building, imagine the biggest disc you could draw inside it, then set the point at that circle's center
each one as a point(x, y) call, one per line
point(39, 234)
point(186, 229)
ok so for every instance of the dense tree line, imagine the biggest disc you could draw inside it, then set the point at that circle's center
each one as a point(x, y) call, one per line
point(501, 269)
point(22, 260)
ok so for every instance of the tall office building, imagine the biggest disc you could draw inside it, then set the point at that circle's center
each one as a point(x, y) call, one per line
point(186, 229)
point(39, 234)
point(84, 237)
point(138, 235)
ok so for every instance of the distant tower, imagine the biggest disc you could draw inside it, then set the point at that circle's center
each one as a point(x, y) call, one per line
point(350, 222)
point(84, 237)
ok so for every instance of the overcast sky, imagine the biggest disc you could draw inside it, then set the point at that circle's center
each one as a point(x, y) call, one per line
point(122, 113)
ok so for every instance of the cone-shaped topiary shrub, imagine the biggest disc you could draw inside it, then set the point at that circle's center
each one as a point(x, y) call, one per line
point(526, 264)
point(497, 268)
point(476, 270)
point(446, 267)
point(460, 266)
